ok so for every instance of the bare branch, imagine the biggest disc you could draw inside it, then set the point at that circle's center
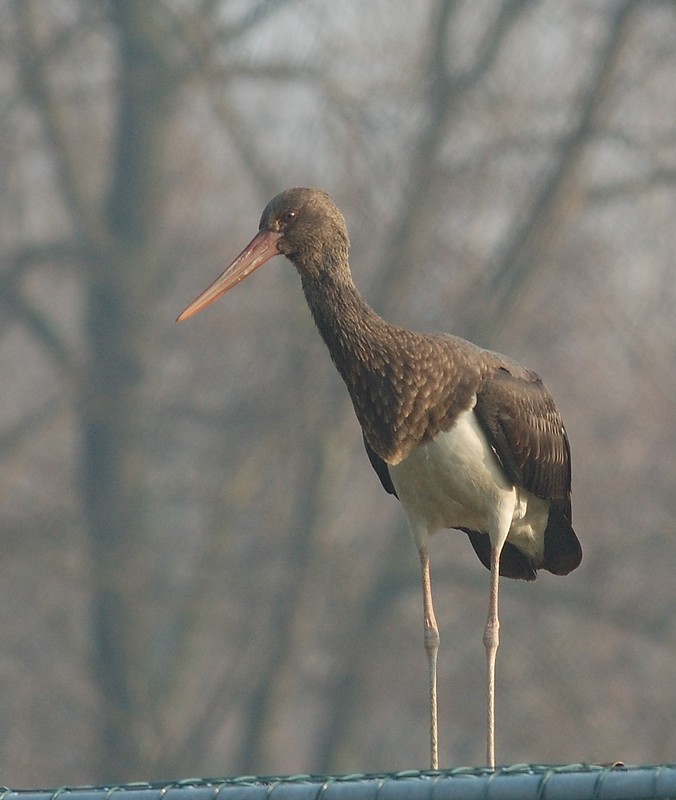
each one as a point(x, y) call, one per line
point(247, 147)
point(39, 327)
point(59, 251)
point(662, 176)
point(253, 17)
point(444, 92)
point(205, 37)
point(36, 85)
point(13, 436)
point(489, 47)
point(518, 258)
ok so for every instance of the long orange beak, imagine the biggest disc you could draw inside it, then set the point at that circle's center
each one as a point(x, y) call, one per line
point(260, 249)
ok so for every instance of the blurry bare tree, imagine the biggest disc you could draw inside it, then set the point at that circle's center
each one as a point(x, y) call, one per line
point(200, 574)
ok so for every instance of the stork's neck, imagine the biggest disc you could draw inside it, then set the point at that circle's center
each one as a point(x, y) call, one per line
point(357, 338)
point(405, 386)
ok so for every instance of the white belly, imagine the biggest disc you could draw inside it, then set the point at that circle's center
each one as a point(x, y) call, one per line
point(455, 481)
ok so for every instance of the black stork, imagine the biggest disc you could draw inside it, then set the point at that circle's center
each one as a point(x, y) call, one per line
point(464, 437)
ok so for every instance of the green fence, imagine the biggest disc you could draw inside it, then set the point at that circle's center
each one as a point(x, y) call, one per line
point(520, 782)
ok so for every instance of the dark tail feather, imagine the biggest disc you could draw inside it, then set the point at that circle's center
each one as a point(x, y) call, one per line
point(562, 548)
point(513, 563)
point(563, 552)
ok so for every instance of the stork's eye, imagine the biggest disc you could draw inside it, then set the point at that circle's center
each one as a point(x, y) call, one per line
point(289, 216)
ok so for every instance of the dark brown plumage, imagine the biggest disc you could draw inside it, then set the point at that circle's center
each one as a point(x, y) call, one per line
point(464, 437)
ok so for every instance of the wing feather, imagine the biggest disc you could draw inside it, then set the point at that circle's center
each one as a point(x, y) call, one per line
point(381, 469)
point(525, 429)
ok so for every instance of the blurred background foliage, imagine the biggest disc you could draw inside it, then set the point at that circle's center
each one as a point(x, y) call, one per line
point(200, 573)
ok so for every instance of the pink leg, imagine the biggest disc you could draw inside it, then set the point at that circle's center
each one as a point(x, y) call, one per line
point(491, 642)
point(431, 648)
